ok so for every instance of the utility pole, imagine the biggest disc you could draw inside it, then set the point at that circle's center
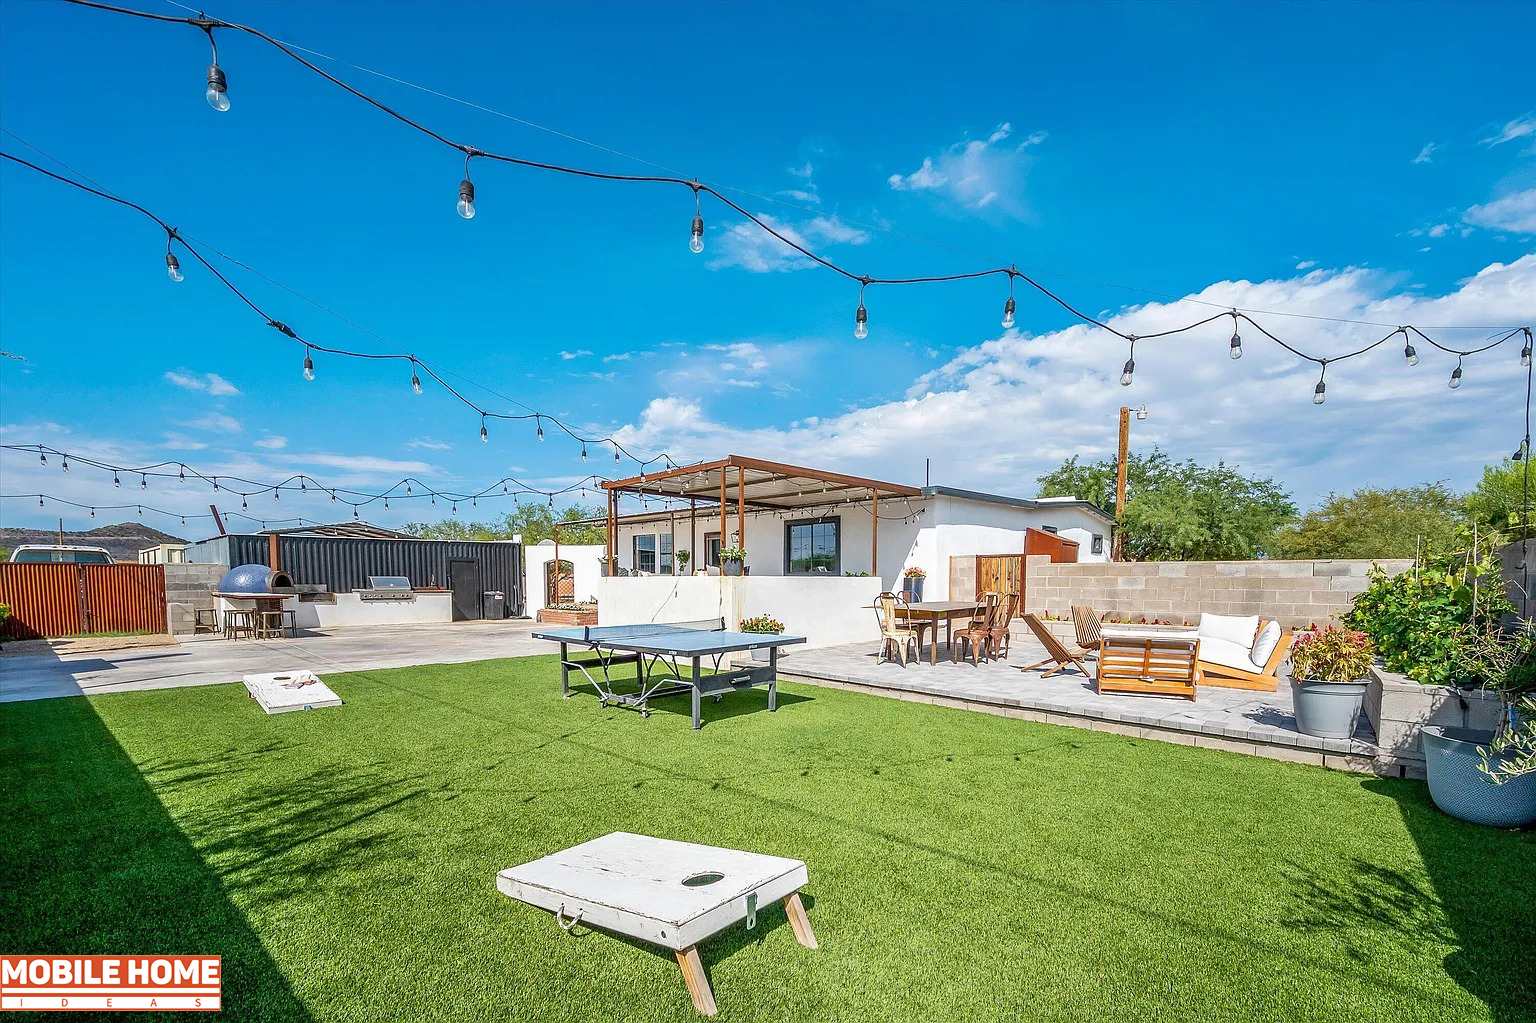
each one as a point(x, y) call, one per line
point(1118, 552)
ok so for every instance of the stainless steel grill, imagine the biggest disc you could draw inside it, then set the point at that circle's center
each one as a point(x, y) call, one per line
point(387, 587)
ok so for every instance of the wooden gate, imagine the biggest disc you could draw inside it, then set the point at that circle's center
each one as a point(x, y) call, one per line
point(999, 573)
point(49, 600)
point(559, 582)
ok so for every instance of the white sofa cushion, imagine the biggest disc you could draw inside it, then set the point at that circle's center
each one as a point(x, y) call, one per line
point(1225, 653)
point(1232, 628)
point(1264, 645)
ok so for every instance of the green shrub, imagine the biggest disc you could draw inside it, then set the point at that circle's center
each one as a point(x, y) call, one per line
point(1332, 655)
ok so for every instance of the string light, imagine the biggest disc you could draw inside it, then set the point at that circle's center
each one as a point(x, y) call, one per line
point(861, 317)
point(484, 437)
point(1235, 349)
point(583, 451)
point(696, 233)
point(1456, 376)
point(415, 379)
point(309, 365)
point(540, 424)
point(1525, 351)
point(1319, 393)
point(172, 265)
point(1409, 352)
point(115, 481)
point(218, 87)
point(1130, 365)
point(467, 192)
point(143, 482)
point(1008, 307)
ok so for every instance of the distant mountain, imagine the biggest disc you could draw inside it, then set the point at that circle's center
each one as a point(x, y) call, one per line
point(123, 540)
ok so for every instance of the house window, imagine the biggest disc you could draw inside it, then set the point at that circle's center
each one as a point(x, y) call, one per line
point(711, 550)
point(813, 546)
point(1050, 529)
point(664, 553)
point(645, 553)
point(1098, 543)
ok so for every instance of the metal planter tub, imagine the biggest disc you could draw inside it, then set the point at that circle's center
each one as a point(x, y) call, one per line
point(1328, 710)
point(1453, 760)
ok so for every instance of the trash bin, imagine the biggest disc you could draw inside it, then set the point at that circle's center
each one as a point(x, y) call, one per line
point(493, 604)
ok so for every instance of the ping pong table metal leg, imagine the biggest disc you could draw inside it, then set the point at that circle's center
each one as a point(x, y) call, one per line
point(565, 671)
point(698, 721)
point(773, 679)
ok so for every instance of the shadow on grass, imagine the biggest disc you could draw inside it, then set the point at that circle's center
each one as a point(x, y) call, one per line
point(714, 708)
point(93, 864)
point(1484, 882)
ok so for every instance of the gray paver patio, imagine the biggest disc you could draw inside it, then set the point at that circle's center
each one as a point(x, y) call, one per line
point(1238, 715)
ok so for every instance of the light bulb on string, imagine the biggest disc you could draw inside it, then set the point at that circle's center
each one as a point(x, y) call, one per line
point(1129, 369)
point(275, 495)
point(415, 378)
point(66, 463)
point(173, 267)
point(484, 437)
point(1456, 375)
point(243, 505)
point(1319, 393)
point(141, 511)
point(861, 315)
point(218, 86)
point(1235, 349)
point(1009, 306)
point(1525, 353)
point(42, 456)
point(615, 453)
point(215, 483)
point(115, 481)
point(540, 424)
point(333, 497)
point(583, 451)
point(182, 474)
point(467, 191)
point(1409, 352)
point(1522, 451)
point(143, 482)
point(309, 365)
point(39, 500)
point(93, 513)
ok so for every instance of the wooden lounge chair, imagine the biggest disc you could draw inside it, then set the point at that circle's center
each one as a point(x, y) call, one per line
point(978, 634)
point(1001, 637)
point(1148, 663)
point(893, 635)
point(1086, 621)
point(1060, 657)
point(1237, 677)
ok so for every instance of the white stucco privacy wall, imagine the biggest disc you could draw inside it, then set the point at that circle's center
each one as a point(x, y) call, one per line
point(826, 610)
point(350, 609)
point(585, 561)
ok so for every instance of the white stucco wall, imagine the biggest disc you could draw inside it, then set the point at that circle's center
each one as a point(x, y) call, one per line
point(585, 563)
point(826, 610)
point(350, 609)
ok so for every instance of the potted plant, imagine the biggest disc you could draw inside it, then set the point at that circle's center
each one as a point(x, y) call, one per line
point(912, 584)
point(762, 625)
point(1328, 680)
point(683, 557)
point(731, 559)
point(1489, 776)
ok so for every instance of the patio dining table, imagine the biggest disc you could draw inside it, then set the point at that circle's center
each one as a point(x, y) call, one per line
point(932, 612)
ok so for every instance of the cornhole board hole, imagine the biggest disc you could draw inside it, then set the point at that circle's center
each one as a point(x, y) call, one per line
point(290, 690)
point(672, 894)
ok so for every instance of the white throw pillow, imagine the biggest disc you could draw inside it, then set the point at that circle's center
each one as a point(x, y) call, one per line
point(1264, 645)
point(1232, 628)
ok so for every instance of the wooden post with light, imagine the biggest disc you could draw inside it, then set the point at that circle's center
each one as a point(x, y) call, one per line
point(1118, 553)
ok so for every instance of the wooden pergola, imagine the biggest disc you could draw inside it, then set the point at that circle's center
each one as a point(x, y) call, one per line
point(751, 483)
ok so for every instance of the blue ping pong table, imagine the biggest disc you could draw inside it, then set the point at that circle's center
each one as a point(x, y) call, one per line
point(657, 651)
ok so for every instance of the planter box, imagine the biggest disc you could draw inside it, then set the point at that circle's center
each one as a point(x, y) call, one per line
point(554, 617)
point(1399, 707)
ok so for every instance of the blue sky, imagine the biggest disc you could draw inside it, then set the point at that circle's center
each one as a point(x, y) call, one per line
point(1375, 162)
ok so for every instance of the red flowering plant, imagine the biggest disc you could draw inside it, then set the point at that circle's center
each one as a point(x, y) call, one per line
point(1332, 654)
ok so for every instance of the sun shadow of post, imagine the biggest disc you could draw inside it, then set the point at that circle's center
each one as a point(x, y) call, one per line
point(1484, 880)
point(94, 865)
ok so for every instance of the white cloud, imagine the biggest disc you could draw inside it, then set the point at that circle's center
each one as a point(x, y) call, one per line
point(272, 442)
point(1515, 213)
point(1383, 423)
point(1438, 231)
point(617, 357)
point(1519, 128)
point(975, 174)
point(181, 442)
point(362, 463)
point(749, 247)
point(1426, 153)
point(1306, 264)
point(428, 444)
point(209, 383)
point(800, 195)
point(217, 422)
point(578, 353)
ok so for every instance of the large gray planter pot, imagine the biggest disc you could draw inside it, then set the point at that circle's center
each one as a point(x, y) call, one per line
point(1453, 759)
point(730, 566)
point(1328, 710)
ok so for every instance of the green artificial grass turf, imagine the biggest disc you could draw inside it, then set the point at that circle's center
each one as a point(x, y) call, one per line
point(962, 866)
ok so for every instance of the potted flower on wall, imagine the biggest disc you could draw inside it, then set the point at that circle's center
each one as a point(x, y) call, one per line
point(1328, 680)
point(761, 625)
point(912, 584)
point(731, 560)
point(1489, 776)
point(683, 557)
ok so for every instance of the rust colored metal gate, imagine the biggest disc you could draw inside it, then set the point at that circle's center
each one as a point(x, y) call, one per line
point(49, 600)
point(559, 583)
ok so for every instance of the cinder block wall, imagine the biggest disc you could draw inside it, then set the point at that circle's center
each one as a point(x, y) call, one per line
point(1296, 593)
point(188, 587)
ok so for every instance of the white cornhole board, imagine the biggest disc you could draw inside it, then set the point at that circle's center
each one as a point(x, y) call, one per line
point(290, 690)
point(635, 885)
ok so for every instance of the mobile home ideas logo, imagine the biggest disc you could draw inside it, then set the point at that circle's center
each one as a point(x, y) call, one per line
point(142, 983)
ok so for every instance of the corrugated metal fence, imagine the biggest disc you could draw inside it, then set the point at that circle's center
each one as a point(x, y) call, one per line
point(48, 600)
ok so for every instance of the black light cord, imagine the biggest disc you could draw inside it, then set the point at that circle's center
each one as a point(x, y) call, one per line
point(864, 280)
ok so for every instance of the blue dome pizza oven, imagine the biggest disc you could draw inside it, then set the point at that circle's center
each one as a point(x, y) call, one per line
point(257, 580)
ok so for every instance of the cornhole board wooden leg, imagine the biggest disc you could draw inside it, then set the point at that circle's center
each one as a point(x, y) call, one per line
point(698, 983)
point(798, 921)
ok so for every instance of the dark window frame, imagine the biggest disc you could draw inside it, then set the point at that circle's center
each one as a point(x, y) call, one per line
point(1097, 546)
point(711, 550)
point(836, 521)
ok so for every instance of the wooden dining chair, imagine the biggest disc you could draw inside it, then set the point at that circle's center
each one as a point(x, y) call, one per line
point(893, 635)
point(977, 636)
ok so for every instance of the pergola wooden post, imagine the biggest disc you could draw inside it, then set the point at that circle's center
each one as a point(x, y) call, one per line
point(693, 533)
point(741, 508)
point(874, 538)
point(610, 540)
point(724, 523)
